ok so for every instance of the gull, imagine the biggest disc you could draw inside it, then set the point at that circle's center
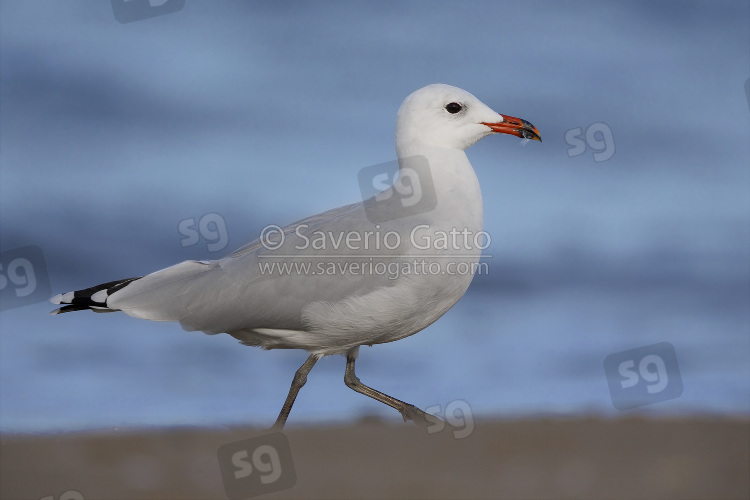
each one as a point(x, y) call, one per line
point(362, 274)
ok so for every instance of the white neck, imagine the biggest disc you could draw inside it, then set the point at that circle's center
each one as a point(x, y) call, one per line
point(457, 191)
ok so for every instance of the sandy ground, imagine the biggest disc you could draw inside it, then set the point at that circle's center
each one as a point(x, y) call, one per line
point(583, 458)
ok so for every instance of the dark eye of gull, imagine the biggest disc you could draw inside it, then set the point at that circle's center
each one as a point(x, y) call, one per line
point(453, 108)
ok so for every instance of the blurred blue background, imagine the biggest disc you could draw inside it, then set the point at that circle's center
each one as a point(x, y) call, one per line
point(264, 112)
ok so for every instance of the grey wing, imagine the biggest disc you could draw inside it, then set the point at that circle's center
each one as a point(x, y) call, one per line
point(243, 291)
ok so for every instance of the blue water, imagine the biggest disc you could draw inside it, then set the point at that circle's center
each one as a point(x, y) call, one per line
point(263, 113)
point(524, 348)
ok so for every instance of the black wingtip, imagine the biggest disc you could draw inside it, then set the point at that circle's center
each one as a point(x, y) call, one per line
point(67, 309)
point(81, 300)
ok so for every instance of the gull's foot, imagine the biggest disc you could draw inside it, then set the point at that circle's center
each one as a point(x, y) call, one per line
point(423, 419)
point(277, 426)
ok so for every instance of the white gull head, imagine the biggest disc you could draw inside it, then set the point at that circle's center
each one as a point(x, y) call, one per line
point(445, 116)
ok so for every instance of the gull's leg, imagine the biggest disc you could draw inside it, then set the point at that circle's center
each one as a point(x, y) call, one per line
point(297, 382)
point(409, 412)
